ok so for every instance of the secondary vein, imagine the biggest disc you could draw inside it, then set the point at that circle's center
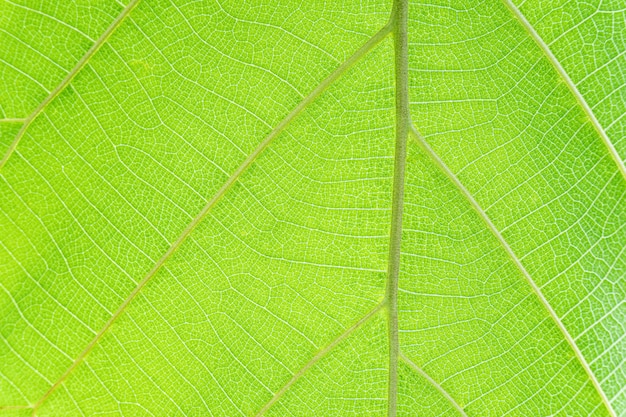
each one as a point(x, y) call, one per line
point(68, 78)
point(319, 355)
point(535, 288)
point(362, 51)
point(570, 84)
point(434, 383)
point(400, 19)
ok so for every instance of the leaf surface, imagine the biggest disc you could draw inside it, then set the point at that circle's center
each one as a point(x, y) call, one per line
point(350, 208)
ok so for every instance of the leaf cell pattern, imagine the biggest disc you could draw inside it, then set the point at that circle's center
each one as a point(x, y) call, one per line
point(312, 208)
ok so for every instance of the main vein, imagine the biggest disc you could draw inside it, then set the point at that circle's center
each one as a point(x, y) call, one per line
point(68, 78)
point(570, 84)
point(348, 63)
point(536, 289)
point(400, 19)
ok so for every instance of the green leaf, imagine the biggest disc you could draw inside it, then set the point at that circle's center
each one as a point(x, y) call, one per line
point(314, 209)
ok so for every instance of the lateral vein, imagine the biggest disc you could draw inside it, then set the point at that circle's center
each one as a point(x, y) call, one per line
point(362, 51)
point(318, 356)
point(570, 84)
point(15, 407)
point(68, 78)
point(432, 382)
point(536, 289)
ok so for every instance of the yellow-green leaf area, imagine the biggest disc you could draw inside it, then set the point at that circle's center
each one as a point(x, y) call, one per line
point(262, 208)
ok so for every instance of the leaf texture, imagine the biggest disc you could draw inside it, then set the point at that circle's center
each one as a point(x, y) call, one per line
point(312, 208)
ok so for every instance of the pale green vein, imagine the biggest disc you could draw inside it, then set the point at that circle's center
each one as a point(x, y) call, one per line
point(362, 51)
point(12, 120)
point(432, 382)
point(400, 19)
point(536, 289)
point(317, 357)
point(68, 78)
point(570, 84)
point(15, 407)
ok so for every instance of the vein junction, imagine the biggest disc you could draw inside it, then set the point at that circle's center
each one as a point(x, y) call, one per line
point(397, 26)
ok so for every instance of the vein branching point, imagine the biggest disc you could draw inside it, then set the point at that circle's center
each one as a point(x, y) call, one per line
point(465, 228)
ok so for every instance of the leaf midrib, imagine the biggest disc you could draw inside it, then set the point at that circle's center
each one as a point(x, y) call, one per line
point(402, 125)
point(399, 18)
